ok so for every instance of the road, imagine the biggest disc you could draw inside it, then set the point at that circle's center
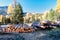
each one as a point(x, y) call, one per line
point(33, 36)
point(26, 36)
point(37, 35)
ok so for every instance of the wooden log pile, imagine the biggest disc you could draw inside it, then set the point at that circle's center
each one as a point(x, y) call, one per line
point(11, 28)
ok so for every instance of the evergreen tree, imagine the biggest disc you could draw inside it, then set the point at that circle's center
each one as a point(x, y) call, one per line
point(17, 16)
point(58, 16)
point(52, 15)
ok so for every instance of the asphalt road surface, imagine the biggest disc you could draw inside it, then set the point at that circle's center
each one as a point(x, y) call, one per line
point(38, 35)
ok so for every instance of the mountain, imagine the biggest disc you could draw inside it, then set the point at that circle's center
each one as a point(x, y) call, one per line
point(3, 10)
point(3, 6)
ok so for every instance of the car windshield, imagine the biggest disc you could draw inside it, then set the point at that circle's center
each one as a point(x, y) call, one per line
point(36, 22)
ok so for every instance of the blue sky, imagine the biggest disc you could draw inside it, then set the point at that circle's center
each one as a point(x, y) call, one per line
point(32, 5)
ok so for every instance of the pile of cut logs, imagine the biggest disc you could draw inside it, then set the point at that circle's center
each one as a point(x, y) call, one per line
point(11, 28)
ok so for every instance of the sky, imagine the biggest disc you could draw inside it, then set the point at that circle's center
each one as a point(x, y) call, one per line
point(34, 6)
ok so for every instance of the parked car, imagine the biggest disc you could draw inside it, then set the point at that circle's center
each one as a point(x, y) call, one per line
point(37, 25)
point(55, 24)
point(47, 24)
point(44, 24)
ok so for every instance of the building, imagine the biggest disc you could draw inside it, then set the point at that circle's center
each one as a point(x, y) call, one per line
point(28, 16)
point(1, 18)
point(3, 12)
point(45, 15)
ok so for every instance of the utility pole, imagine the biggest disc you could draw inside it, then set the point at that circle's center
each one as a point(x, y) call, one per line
point(14, 3)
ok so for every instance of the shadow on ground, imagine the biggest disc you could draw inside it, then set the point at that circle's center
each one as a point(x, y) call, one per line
point(38, 35)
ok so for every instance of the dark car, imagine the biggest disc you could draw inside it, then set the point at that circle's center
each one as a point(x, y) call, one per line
point(44, 24)
point(37, 25)
point(51, 24)
point(47, 24)
point(55, 25)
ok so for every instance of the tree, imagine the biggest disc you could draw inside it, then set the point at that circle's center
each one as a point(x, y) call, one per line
point(58, 16)
point(9, 11)
point(4, 20)
point(33, 18)
point(17, 16)
point(58, 6)
point(52, 15)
